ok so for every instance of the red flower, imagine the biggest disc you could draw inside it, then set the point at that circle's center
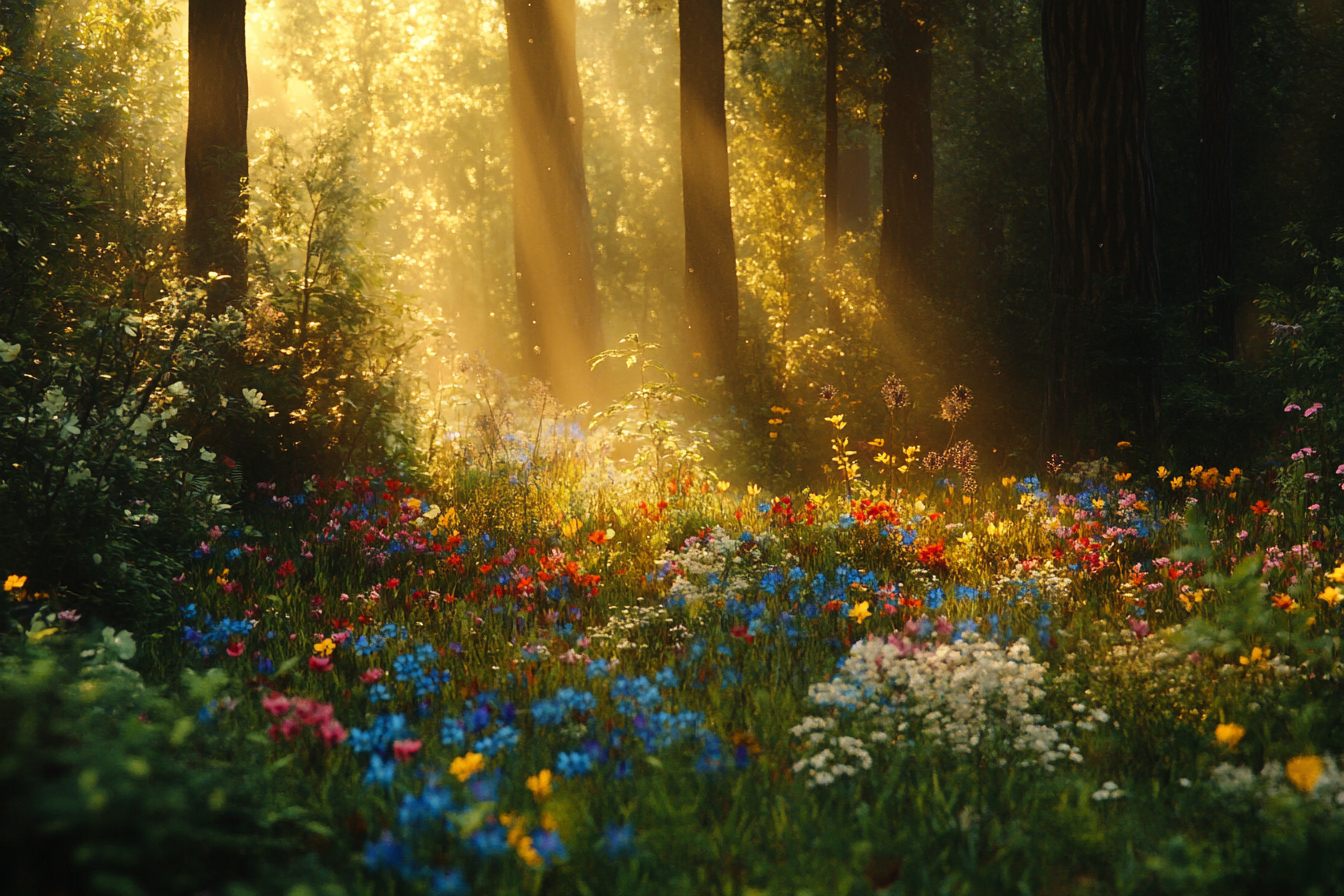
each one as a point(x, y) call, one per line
point(310, 712)
point(332, 733)
point(236, 649)
point(286, 569)
point(371, 676)
point(319, 663)
point(931, 558)
point(1260, 508)
point(405, 749)
point(276, 704)
point(598, 536)
point(740, 631)
point(833, 606)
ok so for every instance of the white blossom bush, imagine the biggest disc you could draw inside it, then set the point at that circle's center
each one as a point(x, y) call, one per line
point(709, 567)
point(966, 696)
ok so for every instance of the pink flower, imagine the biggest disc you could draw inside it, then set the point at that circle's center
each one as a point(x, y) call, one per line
point(1291, 407)
point(332, 733)
point(69, 615)
point(236, 649)
point(1139, 627)
point(290, 728)
point(310, 712)
point(405, 749)
point(319, 663)
point(275, 704)
point(371, 676)
point(1313, 409)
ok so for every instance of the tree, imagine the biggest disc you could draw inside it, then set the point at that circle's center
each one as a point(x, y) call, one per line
point(216, 156)
point(1215, 166)
point(907, 149)
point(831, 173)
point(553, 249)
point(1104, 279)
point(711, 254)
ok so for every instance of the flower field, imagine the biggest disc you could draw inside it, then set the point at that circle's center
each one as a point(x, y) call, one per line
point(540, 670)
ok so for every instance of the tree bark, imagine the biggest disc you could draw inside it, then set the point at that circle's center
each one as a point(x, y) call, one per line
point(552, 221)
point(907, 150)
point(1103, 217)
point(831, 172)
point(1215, 167)
point(711, 255)
point(216, 156)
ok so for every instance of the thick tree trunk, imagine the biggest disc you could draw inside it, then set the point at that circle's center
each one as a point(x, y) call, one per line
point(907, 150)
point(552, 221)
point(711, 255)
point(1103, 219)
point(1215, 166)
point(216, 157)
point(831, 172)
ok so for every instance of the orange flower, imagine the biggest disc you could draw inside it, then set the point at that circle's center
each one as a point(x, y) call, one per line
point(1229, 734)
point(1260, 508)
point(1304, 771)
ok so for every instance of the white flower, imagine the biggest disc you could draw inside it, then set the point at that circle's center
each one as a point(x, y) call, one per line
point(1109, 791)
point(142, 425)
point(180, 442)
point(8, 351)
point(254, 398)
point(207, 455)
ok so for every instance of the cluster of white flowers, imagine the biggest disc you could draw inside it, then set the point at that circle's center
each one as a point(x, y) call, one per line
point(1029, 581)
point(708, 568)
point(965, 695)
point(1323, 781)
point(629, 622)
point(844, 756)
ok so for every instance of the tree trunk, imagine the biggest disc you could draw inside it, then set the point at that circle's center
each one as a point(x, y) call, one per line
point(907, 150)
point(216, 157)
point(831, 172)
point(1104, 279)
point(1215, 166)
point(711, 255)
point(552, 222)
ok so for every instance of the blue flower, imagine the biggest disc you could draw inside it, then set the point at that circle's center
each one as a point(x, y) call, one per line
point(548, 845)
point(384, 853)
point(666, 678)
point(618, 840)
point(597, 667)
point(502, 739)
point(572, 765)
point(379, 693)
point(490, 840)
point(381, 771)
point(449, 883)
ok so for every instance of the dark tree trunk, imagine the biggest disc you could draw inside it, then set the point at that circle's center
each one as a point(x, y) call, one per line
point(831, 172)
point(1215, 166)
point(711, 256)
point(216, 157)
point(907, 150)
point(552, 221)
point(1104, 279)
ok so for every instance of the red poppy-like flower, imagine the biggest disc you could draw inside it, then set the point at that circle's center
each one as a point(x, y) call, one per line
point(319, 663)
point(310, 712)
point(371, 676)
point(276, 704)
point(286, 569)
point(740, 631)
point(332, 733)
point(1260, 508)
point(405, 749)
point(236, 649)
point(598, 536)
point(931, 558)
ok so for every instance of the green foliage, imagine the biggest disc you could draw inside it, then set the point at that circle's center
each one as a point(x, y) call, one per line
point(112, 787)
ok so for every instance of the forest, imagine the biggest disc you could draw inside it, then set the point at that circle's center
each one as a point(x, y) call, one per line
point(728, 447)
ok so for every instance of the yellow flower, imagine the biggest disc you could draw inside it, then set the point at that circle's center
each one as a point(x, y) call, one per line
point(1122, 477)
point(1163, 472)
point(540, 784)
point(1229, 733)
point(324, 647)
point(967, 539)
point(413, 503)
point(528, 853)
point(548, 822)
point(14, 582)
point(1257, 654)
point(753, 490)
point(1332, 596)
point(41, 633)
point(1337, 575)
point(838, 421)
point(463, 767)
point(860, 612)
point(571, 528)
point(1122, 444)
point(1177, 482)
point(1304, 772)
point(877, 443)
point(1008, 480)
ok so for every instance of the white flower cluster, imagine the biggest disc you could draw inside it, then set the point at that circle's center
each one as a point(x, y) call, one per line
point(965, 695)
point(629, 621)
point(1274, 781)
point(1029, 581)
point(706, 568)
point(842, 759)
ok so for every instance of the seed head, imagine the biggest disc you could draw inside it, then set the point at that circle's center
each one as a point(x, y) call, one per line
point(895, 394)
